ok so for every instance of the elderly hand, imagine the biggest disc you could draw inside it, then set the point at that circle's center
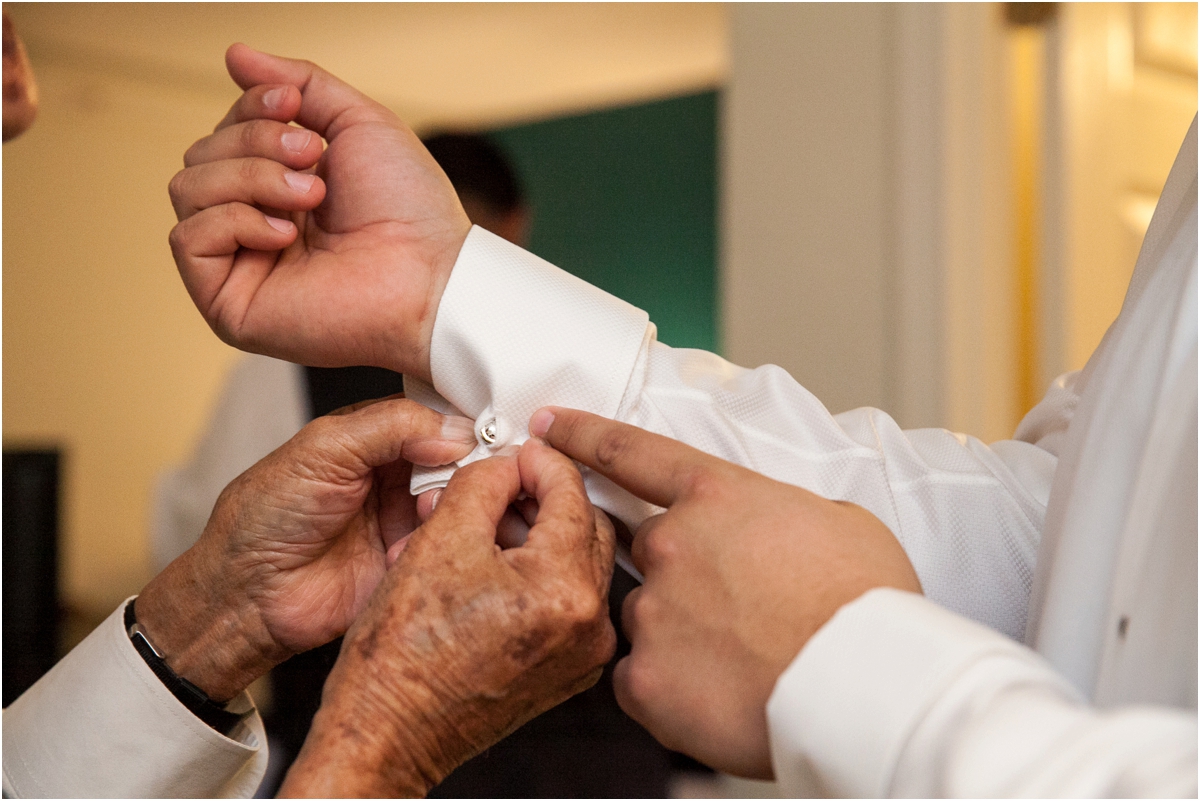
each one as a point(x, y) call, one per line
point(348, 262)
point(463, 642)
point(740, 572)
point(296, 544)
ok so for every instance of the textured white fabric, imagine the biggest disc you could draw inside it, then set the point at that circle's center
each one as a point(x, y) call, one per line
point(898, 697)
point(262, 405)
point(1114, 612)
point(491, 320)
point(101, 724)
point(969, 516)
point(964, 712)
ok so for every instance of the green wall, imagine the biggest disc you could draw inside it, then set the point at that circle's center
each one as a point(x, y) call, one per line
point(626, 199)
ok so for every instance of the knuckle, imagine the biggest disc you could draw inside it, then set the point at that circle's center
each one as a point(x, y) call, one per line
point(702, 481)
point(604, 645)
point(249, 135)
point(177, 239)
point(582, 607)
point(658, 546)
point(320, 428)
point(190, 156)
point(232, 213)
point(177, 186)
point(636, 685)
point(612, 446)
point(248, 170)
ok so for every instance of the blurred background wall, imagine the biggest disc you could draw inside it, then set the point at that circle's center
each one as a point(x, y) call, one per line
point(933, 209)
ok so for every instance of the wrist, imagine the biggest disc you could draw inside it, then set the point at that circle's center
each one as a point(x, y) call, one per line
point(418, 360)
point(361, 745)
point(204, 633)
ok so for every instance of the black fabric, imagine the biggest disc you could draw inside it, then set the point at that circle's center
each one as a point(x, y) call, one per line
point(331, 388)
point(584, 748)
point(30, 526)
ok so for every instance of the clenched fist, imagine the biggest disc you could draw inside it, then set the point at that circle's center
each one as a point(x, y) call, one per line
point(326, 256)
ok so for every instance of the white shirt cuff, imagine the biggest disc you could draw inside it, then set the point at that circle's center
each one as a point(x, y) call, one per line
point(100, 723)
point(514, 333)
point(843, 714)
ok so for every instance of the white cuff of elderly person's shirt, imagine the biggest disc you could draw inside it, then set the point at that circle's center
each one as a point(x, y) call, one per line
point(843, 713)
point(100, 723)
point(514, 333)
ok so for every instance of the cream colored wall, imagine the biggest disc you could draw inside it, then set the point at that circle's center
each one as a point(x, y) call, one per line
point(864, 207)
point(103, 353)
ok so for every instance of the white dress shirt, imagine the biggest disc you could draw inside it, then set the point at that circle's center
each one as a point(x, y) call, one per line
point(1054, 651)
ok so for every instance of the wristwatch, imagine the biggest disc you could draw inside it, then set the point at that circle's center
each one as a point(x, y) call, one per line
point(191, 696)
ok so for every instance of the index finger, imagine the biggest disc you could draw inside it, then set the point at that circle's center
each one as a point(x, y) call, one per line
point(652, 467)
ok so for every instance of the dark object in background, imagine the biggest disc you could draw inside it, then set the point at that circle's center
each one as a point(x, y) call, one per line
point(1030, 13)
point(331, 388)
point(31, 614)
point(584, 748)
point(477, 168)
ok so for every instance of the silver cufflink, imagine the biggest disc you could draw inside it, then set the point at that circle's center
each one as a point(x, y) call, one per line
point(488, 432)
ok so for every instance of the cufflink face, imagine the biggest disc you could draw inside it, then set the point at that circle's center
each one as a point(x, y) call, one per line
point(487, 432)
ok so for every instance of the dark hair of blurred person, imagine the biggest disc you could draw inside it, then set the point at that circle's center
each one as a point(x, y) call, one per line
point(487, 186)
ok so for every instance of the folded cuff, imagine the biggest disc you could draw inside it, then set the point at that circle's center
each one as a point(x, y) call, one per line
point(514, 333)
point(100, 723)
point(843, 712)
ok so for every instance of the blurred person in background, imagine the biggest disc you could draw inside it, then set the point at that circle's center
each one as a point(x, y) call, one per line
point(865, 610)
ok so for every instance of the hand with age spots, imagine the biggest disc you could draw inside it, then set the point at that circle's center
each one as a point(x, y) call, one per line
point(296, 544)
point(740, 572)
point(465, 641)
point(327, 257)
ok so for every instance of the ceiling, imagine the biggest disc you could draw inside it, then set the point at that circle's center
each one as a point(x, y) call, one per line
point(459, 64)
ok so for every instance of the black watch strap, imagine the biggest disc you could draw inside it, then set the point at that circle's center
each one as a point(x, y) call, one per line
point(191, 696)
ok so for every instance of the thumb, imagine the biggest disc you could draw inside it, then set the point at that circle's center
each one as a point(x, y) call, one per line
point(381, 433)
point(471, 507)
point(327, 104)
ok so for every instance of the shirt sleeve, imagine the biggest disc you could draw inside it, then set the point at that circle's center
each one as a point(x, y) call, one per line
point(101, 724)
point(514, 333)
point(959, 710)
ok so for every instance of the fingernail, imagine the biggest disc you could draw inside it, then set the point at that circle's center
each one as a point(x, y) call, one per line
point(437, 496)
point(296, 140)
point(300, 181)
point(458, 429)
point(540, 423)
point(283, 226)
point(274, 98)
point(509, 450)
